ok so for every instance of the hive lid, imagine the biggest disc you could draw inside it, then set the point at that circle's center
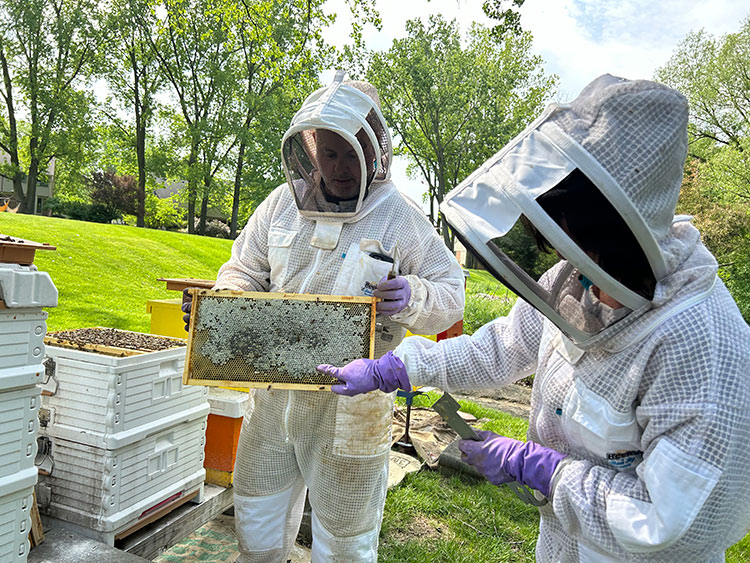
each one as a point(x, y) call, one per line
point(24, 286)
point(15, 250)
point(227, 402)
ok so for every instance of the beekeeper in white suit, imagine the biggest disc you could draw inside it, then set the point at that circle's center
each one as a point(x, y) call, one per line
point(334, 229)
point(639, 424)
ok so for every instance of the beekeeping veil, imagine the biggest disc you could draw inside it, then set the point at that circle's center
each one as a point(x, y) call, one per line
point(629, 138)
point(336, 151)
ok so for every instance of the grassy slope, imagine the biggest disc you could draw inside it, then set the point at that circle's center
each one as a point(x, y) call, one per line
point(105, 273)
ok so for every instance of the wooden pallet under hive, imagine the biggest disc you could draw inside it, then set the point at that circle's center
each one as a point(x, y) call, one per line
point(275, 340)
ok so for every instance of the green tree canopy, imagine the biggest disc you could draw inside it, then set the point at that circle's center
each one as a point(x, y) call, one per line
point(714, 74)
point(46, 48)
point(452, 103)
point(128, 63)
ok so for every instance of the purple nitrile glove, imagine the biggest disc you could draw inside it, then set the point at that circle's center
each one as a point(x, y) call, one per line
point(387, 373)
point(187, 305)
point(503, 460)
point(395, 294)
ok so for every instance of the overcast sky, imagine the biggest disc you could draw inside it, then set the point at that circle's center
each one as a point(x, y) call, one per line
point(578, 39)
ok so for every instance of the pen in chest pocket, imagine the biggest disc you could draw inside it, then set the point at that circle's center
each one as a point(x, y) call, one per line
point(385, 258)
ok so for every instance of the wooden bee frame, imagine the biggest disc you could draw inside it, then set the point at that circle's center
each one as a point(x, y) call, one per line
point(267, 340)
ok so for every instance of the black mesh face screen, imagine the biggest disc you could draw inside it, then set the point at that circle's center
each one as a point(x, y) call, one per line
point(266, 339)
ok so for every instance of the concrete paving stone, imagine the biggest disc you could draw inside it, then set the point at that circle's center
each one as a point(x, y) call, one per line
point(511, 399)
point(61, 546)
point(215, 542)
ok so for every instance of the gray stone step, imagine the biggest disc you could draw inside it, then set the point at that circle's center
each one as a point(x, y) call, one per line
point(62, 546)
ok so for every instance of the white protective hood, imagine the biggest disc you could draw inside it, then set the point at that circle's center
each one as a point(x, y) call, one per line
point(629, 138)
point(345, 108)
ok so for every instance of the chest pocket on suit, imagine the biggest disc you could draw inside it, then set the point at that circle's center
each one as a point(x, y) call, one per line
point(361, 272)
point(590, 423)
point(279, 247)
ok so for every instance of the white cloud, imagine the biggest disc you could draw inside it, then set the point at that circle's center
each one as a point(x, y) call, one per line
point(581, 39)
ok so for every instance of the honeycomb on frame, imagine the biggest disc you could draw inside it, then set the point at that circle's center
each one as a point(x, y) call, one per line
point(275, 340)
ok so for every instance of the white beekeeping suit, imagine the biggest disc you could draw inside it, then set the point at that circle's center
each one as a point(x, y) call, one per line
point(306, 238)
point(649, 404)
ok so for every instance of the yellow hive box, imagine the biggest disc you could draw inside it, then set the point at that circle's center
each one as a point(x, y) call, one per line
point(166, 317)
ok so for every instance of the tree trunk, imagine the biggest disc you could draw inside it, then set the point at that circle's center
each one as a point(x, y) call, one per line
point(140, 147)
point(191, 188)
point(236, 195)
point(12, 130)
point(18, 186)
point(442, 225)
point(27, 206)
point(204, 206)
point(140, 141)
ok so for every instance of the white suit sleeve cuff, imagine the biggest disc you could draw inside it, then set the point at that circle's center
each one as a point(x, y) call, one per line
point(413, 309)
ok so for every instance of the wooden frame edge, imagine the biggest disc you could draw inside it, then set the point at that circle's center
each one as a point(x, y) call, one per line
point(271, 295)
point(195, 292)
point(259, 385)
point(186, 370)
point(115, 351)
point(107, 350)
point(372, 328)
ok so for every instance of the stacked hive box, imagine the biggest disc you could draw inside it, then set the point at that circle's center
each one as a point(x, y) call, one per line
point(126, 439)
point(23, 293)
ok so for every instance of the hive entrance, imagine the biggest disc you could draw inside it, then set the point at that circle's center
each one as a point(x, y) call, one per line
point(257, 339)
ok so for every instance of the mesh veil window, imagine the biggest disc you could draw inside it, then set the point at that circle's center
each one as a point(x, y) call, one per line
point(275, 340)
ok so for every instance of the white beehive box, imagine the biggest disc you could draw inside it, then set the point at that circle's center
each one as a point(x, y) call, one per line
point(227, 402)
point(15, 514)
point(18, 428)
point(108, 491)
point(109, 402)
point(21, 347)
point(23, 292)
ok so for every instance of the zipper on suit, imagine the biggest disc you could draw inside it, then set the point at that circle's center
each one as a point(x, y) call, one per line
point(312, 272)
point(287, 410)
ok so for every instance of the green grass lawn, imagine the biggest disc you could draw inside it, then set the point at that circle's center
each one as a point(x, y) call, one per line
point(486, 299)
point(105, 274)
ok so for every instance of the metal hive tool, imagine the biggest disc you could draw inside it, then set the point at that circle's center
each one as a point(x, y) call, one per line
point(275, 340)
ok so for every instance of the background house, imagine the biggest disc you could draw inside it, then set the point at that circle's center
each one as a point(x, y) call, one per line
point(44, 190)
